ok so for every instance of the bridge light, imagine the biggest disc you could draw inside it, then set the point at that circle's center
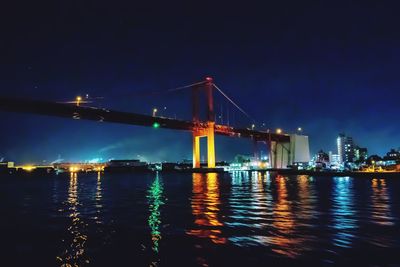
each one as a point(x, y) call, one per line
point(279, 131)
point(253, 126)
point(155, 112)
point(156, 125)
point(209, 79)
point(78, 100)
point(299, 129)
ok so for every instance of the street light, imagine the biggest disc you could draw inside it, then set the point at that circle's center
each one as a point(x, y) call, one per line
point(279, 131)
point(78, 100)
point(299, 129)
point(154, 112)
point(253, 126)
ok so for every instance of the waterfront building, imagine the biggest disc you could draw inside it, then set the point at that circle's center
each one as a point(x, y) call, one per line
point(335, 162)
point(345, 147)
point(392, 157)
point(340, 147)
point(78, 166)
point(393, 154)
point(360, 154)
point(334, 159)
point(7, 165)
point(126, 163)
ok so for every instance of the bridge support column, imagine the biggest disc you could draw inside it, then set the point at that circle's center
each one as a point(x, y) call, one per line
point(210, 145)
point(196, 151)
point(209, 134)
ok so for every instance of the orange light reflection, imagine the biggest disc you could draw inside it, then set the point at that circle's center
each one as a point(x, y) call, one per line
point(205, 207)
point(284, 222)
point(380, 203)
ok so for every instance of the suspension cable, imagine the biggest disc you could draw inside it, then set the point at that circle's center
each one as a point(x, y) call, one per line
point(233, 103)
point(176, 89)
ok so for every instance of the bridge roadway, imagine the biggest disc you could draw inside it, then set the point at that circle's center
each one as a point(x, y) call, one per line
point(12, 104)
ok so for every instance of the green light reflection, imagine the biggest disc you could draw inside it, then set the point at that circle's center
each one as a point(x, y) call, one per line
point(155, 198)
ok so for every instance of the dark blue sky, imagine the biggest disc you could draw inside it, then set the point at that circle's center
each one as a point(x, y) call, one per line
point(327, 66)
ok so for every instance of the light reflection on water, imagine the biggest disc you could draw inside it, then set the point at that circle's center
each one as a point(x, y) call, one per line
point(205, 204)
point(380, 203)
point(284, 240)
point(380, 212)
point(99, 207)
point(343, 211)
point(75, 243)
point(263, 214)
point(155, 199)
point(250, 208)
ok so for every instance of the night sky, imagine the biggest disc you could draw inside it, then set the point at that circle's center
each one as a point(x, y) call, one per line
point(328, 67)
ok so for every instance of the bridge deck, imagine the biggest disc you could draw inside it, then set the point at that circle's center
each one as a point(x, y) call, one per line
point(104, 115)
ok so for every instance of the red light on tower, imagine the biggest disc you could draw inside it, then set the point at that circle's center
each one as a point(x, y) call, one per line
point(209, 79)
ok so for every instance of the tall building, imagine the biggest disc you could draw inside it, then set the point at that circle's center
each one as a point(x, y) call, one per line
point(340, 147)
point(345, 146)
point(360, 154)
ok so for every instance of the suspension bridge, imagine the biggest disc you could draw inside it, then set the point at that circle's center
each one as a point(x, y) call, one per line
point(284, 149)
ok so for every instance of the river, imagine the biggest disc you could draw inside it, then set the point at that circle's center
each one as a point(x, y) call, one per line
point(183, 219)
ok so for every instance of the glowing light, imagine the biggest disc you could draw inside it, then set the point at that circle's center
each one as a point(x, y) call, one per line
point(210, 146)
point(299, 129)
point(99, 169)
point(156, 125)
point(78, 100)
point(155, 112)
point(73, 169)
point(278, 131)
point(28, 168)
point(196, 151)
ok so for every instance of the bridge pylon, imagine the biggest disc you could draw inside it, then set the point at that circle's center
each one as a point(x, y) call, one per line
point(199, 129)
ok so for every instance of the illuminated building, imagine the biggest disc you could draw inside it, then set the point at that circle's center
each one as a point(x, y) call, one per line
point(78, 167)
point(6, 165)
point(334, 160)
point(391, 158)
point(360, 154)
point(345, 146)
point(392, 155)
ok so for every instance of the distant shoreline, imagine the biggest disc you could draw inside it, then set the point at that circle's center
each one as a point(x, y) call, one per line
point(49, 171)
point(338, 174)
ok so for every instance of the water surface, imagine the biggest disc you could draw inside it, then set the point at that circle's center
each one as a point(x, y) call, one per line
point(177, 219)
